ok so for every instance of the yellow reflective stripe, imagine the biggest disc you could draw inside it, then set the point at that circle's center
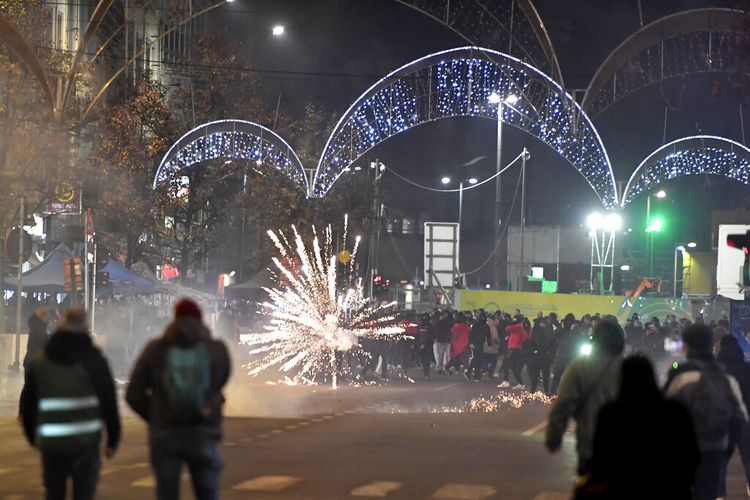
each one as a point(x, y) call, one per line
point(70, 429)
point(57, 404)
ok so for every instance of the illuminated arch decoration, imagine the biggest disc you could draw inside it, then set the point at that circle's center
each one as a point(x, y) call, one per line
point(458, 82)
point(689, 42)
point(232, 140)
point(510, 26)
point(695, 155)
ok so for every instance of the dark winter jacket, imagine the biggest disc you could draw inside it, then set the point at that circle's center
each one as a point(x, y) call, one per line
point(480, 333)
point(146, 393)
point(443, 330)
point(38, 338)
point(733, 360)
point(67, 348)
point(542, 342)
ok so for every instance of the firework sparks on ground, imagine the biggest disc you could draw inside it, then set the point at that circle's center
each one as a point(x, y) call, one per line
point(497, 403)
point(313, 314)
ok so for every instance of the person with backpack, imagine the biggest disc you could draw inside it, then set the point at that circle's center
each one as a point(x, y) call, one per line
point(644, 444)
point(732, 358)
point(714, 401)
point(540, 349)
point(67, 399)
point(176, 387)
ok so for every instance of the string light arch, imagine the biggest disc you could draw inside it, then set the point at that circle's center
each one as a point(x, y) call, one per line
point(510, 26)
point(689, 42)
point(459, 82)
point(694, 155)
point(231, 140)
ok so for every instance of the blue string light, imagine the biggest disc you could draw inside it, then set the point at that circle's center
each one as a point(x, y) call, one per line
point(458, 82)
point(694, 155)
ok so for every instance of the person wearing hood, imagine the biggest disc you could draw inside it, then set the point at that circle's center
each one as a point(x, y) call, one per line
point(644, 444)
point(587, 385)
point(68, 397)
point(38, 335)
point(176, 388)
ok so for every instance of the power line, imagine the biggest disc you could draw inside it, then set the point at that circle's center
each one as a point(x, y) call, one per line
point(472, 186)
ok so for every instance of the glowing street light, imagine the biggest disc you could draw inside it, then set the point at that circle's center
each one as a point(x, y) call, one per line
point(661, 194)
point(692, 244)
point(278, 30)
point(445, 180)
point(472, 180)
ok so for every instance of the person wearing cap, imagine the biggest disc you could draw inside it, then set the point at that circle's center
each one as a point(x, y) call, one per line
point(589, 382)
point(177, 436)
point(68, 398)
point(714, 400)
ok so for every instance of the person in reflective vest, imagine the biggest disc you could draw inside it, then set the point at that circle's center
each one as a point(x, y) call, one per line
point(68, 399)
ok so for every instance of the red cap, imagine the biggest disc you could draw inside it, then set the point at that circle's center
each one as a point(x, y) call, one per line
point(187, 307)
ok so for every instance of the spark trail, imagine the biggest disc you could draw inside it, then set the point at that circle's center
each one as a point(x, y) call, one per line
point(312, 316)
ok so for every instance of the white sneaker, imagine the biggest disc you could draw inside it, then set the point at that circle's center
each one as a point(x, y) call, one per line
point(519, 387)
point(504, 385)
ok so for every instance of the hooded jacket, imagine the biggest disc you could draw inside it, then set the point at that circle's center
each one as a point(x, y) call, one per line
point(69, 348)
point(146, 393)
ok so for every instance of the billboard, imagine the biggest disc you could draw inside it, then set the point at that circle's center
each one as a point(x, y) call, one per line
point(440, 253)
point(529, 303)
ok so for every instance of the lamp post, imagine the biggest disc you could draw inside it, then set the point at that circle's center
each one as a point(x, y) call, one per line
point(651, 228)
point(495, 98)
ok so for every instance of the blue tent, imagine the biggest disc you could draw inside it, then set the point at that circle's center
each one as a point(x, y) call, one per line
point(48, 277)
point(126, 282)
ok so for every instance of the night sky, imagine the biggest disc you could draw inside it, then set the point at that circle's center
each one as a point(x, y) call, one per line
point(335, 49)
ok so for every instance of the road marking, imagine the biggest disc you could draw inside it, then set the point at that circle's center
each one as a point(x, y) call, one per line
point(316, 420)
point(267, 483)
point(302, 424)
point(262, 436)
point(538, 427)
point(150, 481)
point(552, 495)
point(454, 491)
point(276, 431)
point(446, 386)
point(290, 427)
point(339, 414)
point(376, 489)
point(327, 417)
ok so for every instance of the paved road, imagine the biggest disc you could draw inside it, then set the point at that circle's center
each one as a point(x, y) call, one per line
point(402, 440)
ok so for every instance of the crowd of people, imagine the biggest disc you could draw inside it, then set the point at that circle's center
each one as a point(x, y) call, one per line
point(519, 352)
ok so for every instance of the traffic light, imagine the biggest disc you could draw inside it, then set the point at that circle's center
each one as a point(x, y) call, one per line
point(73, 274)
point(742, 242)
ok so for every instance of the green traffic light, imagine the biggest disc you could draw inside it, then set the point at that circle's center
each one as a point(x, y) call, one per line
point(657, 224)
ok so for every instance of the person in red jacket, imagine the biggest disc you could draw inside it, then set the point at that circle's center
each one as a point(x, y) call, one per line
point(518, 335)
point(459, 343)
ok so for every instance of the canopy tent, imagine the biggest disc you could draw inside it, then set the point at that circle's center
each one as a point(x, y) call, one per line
point(47, 277)
point(125, 281)
point(252, 288)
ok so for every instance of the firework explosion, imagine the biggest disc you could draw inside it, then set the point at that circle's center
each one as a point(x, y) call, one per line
point(312, 316)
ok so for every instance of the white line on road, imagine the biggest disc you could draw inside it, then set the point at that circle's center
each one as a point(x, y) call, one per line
point(454, 491)
point(376, 489)
point(446, 386)
point(552, 495)
point(538, 427)
point(267, 483)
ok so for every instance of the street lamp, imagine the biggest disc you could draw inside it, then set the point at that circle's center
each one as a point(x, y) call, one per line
point(652, 227)
point(603, 229)
point(445, 180)
point(496, 99)
point(278, 30)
